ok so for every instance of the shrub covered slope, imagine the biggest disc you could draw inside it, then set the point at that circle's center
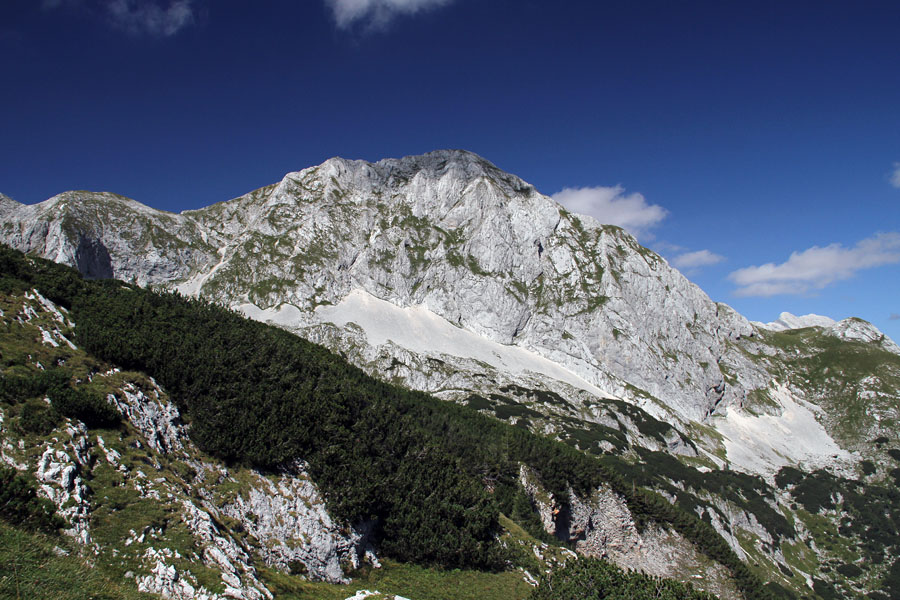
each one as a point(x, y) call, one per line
point(431, 477)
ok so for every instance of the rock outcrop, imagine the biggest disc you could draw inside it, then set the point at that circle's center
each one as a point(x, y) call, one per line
point(148, 476)
point(287, 515)
point(602, 526)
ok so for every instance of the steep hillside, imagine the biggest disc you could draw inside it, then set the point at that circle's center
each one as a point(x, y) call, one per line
point(196, 495)
point(448, 276)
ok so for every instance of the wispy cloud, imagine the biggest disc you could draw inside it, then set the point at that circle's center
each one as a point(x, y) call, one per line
point(611, 205)
point(894, 317)
point(150, 17)
point(695, 260)
point(161, 18)
point(664, 247)
point(816, 268)
point(377, 13)
point(895, 175)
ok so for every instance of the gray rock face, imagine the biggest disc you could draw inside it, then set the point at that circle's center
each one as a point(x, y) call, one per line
point(106, 235)
point(602, 526)
point(164, 579)
point(447, 231)
point(858, 330)
point(451, 237)
point(288, 517)
point(851, 329)
point(225, 555)
point(157, 420)
point(58, 473)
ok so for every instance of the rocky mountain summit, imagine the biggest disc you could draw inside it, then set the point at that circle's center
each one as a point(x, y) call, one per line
point(446, 231)
point(847, 329)
point(450, 239)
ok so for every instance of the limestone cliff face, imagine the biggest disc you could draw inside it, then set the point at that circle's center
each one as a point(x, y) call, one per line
point(445, 274)
point(106, 235)
point(447, 231)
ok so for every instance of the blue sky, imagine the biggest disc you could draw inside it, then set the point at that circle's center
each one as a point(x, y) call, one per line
point(756, 144)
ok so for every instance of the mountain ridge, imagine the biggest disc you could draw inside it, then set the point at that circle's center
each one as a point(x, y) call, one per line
point(440, 193)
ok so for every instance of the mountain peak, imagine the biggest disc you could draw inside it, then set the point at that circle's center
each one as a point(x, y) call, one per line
point(787, 321)
point(439, 157)
point(858, 330)
point(440, 162)
point(459, 165)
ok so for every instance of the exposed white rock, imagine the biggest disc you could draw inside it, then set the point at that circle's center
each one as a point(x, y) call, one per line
point(222, 553)
point(153, 415)
point(446, 231)
point(421, 331)
point(765, 443)
point(58, 472)
point(168, 582)
point(363, 594)
point(787, 321)
point(851, 329)
point(603, 526)
point(35, 306)
point(112, 456)
point(58, 313)
point(543, 501)
point(287, 515)
point(858, 330)
point(441, 256)
point(86, 230)
point(607, 529)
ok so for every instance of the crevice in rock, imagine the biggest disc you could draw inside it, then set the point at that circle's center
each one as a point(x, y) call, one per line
point(92, 259)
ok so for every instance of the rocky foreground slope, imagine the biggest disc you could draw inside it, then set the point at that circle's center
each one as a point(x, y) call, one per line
point(450, 276)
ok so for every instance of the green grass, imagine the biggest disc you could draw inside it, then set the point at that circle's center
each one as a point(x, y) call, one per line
point(32, 567)
point(833, 372)
point(409, 581)
point(759, 401)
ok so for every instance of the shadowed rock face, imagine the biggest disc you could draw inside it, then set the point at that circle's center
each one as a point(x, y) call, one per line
point(93, 259)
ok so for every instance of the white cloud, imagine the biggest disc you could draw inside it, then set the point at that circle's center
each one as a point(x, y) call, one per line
point(816, 268)
point(377, 12)
point(145, 17)
point(612, 206)
point(150, 17)
point(664, 247)
point(700, 258)
point(895, 175)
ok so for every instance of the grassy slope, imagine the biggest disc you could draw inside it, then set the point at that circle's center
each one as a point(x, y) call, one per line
point(33, 566)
